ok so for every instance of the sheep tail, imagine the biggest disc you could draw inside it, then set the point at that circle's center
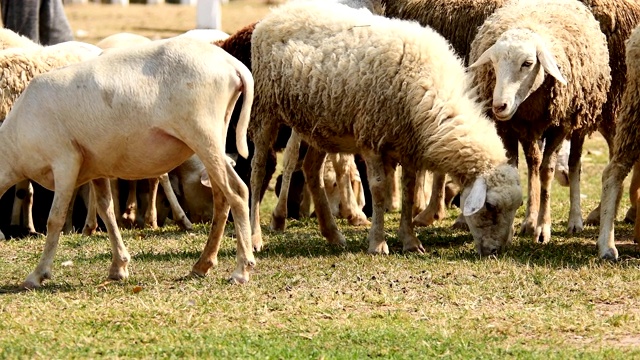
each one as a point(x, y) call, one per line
point(245, 111)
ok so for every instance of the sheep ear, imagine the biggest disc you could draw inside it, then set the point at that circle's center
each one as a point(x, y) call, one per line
point(475, 201)
point(548, 62)
point(484, 58)
point(204, 179)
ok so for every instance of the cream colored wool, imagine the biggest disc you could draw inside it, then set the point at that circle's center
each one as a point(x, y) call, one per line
point(348, 81)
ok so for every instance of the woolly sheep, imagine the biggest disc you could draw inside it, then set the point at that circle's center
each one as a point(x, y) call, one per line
point(122, 39)
point(625, 153)
point(542, 91)
point(11, 39)
point(330, 72)
point(173, 97)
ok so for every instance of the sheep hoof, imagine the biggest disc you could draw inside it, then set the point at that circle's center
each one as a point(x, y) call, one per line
point(610, 254)
point(34, 280)
point(542, 234)
point(278, 223)
point(184, 224)
point(337, 239)
point(201, 268)
point(380, 248)
point(416, 248)
point(593, 218)
point(359, 220)
point(239, 277)
point(630, 217)
point(118, 273)
point(257, 243)
point(526, 228)
point(575, 228)
point(460, 223)
point(88, 230)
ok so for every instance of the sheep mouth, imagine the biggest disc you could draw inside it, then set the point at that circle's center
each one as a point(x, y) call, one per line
point(503, 117)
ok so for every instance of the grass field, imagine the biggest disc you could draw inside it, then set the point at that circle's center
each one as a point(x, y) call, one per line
point(307, 300)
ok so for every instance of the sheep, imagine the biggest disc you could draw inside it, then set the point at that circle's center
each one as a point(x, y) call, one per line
point(19, 65)
point(524, 62)
point(626, 152)
point(131, 114)
point(128, 216)
point(349, 81)
point(208, 35)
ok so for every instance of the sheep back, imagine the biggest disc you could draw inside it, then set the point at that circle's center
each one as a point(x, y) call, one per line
point(19, 66)
point(349, 81)
point(573, 36)
point(10, 39)
point(456, 20)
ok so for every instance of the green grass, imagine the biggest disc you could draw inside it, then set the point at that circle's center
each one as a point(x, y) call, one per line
point(309, 300)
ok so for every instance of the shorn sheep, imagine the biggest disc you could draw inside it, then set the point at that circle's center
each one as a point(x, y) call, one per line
point(626, 151)
point(349, 81)
point(525, 62)
point(131, 114)
point(19, 65)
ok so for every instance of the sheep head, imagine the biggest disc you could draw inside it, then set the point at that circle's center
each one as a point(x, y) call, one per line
point(489, 206)
point(520, 59)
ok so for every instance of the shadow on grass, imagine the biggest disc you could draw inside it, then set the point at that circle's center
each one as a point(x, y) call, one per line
point(46, 288)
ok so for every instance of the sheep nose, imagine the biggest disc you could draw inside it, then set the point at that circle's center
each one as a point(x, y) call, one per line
point(499, 108)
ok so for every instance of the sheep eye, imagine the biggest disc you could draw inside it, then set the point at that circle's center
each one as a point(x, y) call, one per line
point(527, 63)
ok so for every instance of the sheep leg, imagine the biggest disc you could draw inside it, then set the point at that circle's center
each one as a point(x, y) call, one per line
point(406, 233)
point(312, 169)
point(421, 193)
point(115, 193)
point(68, 223)
point(129, 215)
point(575, 165)
point(392, 202)
point(151, 214)
point(65, 182)
point(5, 184)
point(612, 178)
point(119, 255)
point(378, 186)
point(179, 215)
point(607, 129)
point(305, 205)
point(263, 140)
point(291, 152)
point(209, 256)
point(23, 207)
point(91, 221)
point(534, 159)
point(634, 198)
point(348, 205)
point(553, 140)
point(236, 194)
point(436, 208)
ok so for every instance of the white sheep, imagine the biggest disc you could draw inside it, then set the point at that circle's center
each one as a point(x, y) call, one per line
point(525, 62)
point(131, 114)
point(18, 66)
point(625, 153)
point(391, 90)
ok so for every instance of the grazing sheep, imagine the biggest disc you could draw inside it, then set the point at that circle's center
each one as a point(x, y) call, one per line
point(208, 35)
point(525, 62)
point(131, 114)
point(626, 152)
point(349, 81)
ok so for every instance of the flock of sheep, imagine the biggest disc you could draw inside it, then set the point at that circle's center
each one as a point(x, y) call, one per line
point(445, 86)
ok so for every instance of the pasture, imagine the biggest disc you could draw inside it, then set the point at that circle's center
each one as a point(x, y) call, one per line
point(307, 299)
